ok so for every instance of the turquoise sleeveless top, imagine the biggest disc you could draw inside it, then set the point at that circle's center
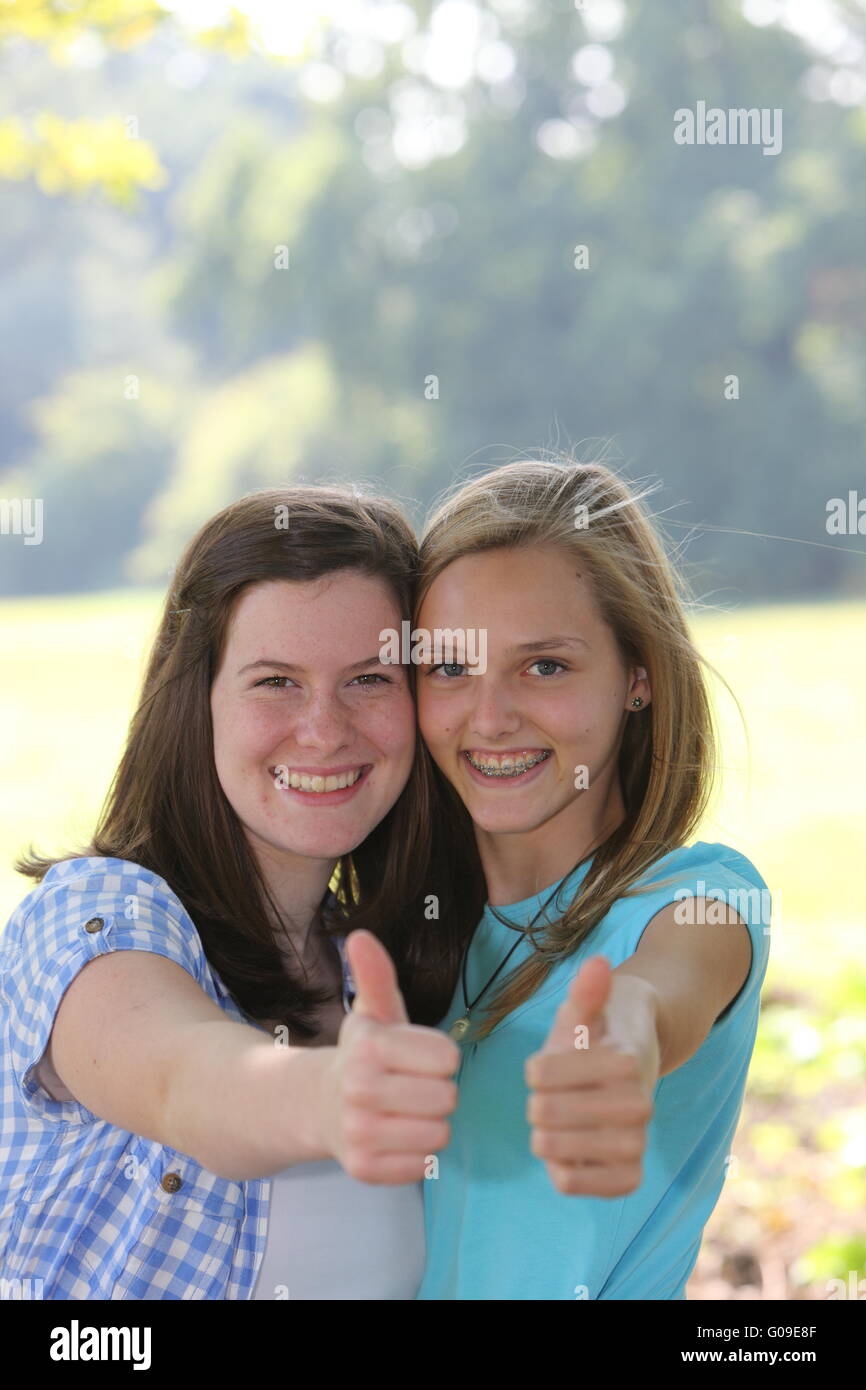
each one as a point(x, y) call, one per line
point(496, 1227)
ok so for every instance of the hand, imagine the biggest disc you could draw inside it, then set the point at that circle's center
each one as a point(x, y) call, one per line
point(591, 1084)
point(391, 1086)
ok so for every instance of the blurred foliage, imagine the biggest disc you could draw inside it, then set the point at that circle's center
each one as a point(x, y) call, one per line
point(121, 22)
point(791, 1215)
point(414, 237)
point(76, 157)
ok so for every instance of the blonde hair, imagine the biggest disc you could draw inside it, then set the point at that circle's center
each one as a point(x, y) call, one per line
point(668, 753)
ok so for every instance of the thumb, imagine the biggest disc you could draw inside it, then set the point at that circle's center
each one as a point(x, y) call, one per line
point(583, 1006)
point(377, 995)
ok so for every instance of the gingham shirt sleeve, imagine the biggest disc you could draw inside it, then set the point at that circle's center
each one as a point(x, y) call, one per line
point(112, 906)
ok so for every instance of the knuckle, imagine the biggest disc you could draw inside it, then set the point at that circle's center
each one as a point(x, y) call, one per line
point(631, 1144)
point(360, 1086)
point(544, 1109)
point(540, 1143)
point(533, 1109)
point(627, 1182)
point(628, 1066)
point(366, 1049)
point(450, 1097)
point(358, 1128)
point(566, 1180)
point(361, 1165)
point(440, 1134)
point(538, 1068)
point(639, 1108)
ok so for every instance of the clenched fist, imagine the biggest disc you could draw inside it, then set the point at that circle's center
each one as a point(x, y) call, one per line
point(391, 1084)
point(591, 1083)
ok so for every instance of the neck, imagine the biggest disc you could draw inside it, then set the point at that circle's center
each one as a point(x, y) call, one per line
point(297, 885)
point(518, 866)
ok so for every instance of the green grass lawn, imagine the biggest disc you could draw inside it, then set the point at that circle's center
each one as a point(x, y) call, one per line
point(71, 670)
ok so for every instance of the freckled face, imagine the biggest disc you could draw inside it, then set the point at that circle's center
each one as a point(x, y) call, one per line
point(314, 737)
point(510, 739)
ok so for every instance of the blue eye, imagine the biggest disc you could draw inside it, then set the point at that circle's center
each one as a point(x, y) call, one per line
point(452, 668)
point(549, 661)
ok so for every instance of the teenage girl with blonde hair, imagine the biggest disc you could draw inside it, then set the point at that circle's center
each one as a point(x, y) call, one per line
point(608, 1001)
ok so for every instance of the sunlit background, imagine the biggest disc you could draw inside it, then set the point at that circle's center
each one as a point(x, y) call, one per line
point(406, 242)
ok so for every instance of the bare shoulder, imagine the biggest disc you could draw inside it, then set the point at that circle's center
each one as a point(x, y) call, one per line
point(702, 939)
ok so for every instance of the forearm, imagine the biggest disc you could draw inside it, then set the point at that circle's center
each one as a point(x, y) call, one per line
point(633, 1021)
point(679, 1020)
point(695, 970)
point(244, 1107)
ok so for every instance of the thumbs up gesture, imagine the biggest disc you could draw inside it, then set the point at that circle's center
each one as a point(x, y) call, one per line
point(391, 1086)
point(591, 1084)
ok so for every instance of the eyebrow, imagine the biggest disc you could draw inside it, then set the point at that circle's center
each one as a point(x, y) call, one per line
point(289, 666)
point(546, 642)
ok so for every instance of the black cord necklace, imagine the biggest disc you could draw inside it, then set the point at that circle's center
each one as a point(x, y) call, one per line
point(460, 1027)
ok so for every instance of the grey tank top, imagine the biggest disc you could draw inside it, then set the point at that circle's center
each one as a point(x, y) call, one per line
point(331, 1237)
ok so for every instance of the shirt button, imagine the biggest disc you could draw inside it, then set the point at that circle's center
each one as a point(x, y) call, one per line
point(95, 924)
point(171, 1182)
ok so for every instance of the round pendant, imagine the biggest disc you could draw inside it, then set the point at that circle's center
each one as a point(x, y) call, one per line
point(459, 1029)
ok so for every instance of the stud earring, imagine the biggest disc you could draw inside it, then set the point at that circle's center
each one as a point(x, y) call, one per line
point(637, 701)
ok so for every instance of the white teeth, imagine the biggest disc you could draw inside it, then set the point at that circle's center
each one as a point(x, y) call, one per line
point(507, 766)
point(301, 781)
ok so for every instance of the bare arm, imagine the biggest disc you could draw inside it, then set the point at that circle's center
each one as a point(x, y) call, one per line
point(696, 969)
point(589, 1106)
point(139, 1043)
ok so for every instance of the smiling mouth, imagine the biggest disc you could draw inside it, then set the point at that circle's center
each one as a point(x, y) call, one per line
point(506, 764)
point(312, 782)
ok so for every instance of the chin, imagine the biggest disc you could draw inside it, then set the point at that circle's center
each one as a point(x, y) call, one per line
point(507, 822)
point(323, 845)
point(326, 846)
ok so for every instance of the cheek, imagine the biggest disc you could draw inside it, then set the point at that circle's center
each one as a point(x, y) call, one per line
point(244, 730)
point(571, 718)
point(591, 715)
point(435, 718)
point(390, 725)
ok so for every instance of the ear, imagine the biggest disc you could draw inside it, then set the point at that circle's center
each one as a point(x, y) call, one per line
point(639, 686)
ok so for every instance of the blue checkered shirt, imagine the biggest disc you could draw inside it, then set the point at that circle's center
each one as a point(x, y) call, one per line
point(88, 1210)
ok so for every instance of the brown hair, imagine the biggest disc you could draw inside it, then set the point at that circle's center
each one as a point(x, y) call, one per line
point(166, 810)
point(667, 757)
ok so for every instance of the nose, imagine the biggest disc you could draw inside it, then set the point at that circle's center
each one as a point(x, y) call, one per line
point(493, 714)
point(322, 724)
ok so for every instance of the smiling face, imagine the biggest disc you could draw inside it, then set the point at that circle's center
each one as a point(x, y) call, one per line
point(313, 737)
point(554, 698)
